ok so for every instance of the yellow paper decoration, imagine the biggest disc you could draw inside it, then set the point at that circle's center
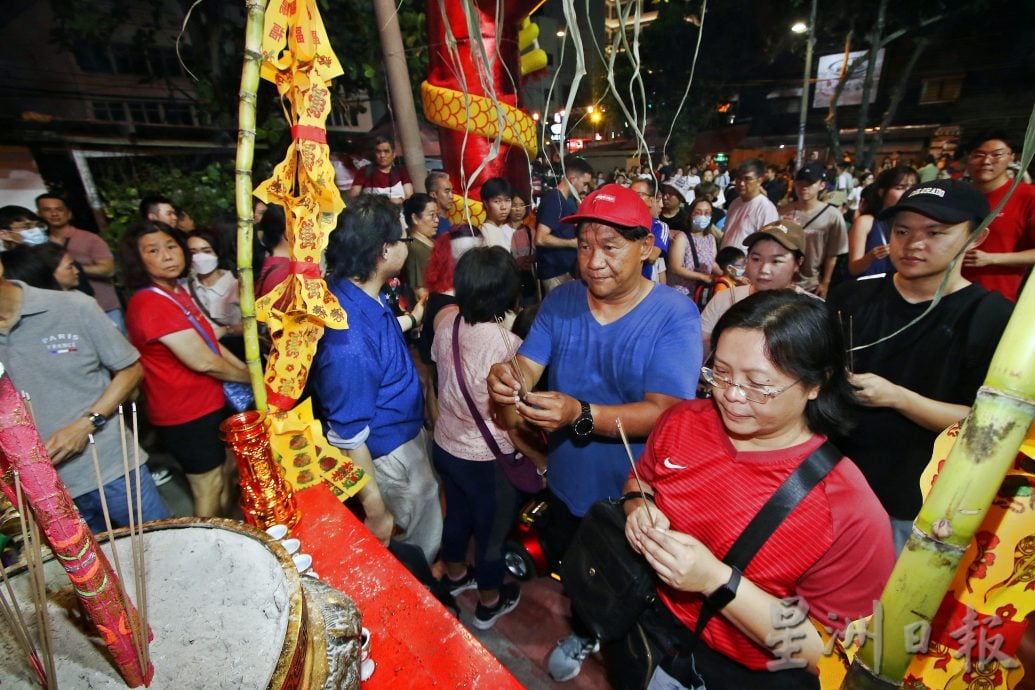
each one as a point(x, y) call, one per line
point(306, 456)
point(297, 58)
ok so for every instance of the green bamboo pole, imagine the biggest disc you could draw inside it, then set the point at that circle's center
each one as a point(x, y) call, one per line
point(957, 504)
point(243, 193)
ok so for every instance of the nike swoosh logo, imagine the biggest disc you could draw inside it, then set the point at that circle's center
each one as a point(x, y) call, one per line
point(673, 466)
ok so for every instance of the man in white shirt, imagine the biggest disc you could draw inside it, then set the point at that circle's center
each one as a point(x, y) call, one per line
point(751, 210)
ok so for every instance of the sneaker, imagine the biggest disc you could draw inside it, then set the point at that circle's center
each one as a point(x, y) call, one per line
point(161, 476)
point(462, 585)
point(486, 616)
point(566, 658)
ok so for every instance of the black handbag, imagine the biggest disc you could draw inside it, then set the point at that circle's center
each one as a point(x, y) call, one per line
point(659, 639)
point(610, 585)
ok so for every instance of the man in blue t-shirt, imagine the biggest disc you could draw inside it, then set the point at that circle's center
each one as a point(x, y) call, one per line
point(554, 238)
point(366, 382)
point(617, 346)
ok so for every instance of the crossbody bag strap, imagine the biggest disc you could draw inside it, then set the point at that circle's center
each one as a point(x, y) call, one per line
point(458, 367)
point(693, 250)
point(816, 216)
point(201, 305)
point(190, 317)
point(796, 487)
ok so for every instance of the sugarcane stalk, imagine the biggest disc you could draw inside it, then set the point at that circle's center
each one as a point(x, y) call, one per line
point(957, 504)
point(243, 193)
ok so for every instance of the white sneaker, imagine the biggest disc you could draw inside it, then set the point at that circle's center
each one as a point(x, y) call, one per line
point(566, 658)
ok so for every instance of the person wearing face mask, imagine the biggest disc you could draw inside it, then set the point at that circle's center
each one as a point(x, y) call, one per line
point(774, 255)
point(732, 265)
point(19, 225)
point(213, 287)
point(693, 252)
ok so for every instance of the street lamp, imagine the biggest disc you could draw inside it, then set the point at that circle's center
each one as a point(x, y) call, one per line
point(800, 28)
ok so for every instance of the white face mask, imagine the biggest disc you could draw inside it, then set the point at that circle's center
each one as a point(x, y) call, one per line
point(36, 235)
point(204, 263)
point(701, 222)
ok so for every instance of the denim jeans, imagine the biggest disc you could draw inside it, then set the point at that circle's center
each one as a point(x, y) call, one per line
point(152, 507)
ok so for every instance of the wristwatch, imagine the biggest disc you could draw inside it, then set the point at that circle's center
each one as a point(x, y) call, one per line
point(98, 420)
point(583, 424)
point(725, 594)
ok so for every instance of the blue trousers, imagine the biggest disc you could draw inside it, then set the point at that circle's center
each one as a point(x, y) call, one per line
point(153, 508)
point(480, 500)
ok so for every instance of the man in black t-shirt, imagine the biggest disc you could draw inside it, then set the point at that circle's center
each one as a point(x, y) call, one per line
point(924, 378)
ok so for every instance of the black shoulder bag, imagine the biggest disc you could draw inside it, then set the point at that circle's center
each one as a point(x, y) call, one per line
point(610, 585)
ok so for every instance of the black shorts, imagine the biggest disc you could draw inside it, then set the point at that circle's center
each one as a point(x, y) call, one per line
point(195, 444)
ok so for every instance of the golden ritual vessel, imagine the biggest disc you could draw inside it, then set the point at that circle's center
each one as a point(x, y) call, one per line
point(266, 497)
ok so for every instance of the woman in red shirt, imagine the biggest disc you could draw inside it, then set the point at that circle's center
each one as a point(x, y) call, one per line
point(182, 371)
point(780, 387)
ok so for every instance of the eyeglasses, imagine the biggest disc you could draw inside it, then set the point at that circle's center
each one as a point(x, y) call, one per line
point(751, 393)
point(998, 154)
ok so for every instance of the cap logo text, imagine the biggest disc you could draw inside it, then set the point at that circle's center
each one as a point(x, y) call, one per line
point(928, 190)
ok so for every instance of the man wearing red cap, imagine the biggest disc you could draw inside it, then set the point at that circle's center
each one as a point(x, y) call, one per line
point(617, 346)
point(915, 379)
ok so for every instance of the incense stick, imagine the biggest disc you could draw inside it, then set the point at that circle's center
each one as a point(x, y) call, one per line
point(129, 506)
point(141, 580)
point(28, 548)
point(16, 623)
point(512, 356)
point(133, 625)
point(851, 344)
point(27, 399)
point(106, 513)
point(138, 555)
point(632, 464)
point(41, 584)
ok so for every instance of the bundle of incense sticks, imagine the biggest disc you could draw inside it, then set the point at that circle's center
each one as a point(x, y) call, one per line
point(512, 358)
point(136, 540)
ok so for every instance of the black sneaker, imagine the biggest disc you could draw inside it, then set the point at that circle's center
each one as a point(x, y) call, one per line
point(462, 585)
point(486, 616)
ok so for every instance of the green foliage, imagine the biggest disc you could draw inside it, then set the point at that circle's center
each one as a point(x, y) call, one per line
point(207, 193)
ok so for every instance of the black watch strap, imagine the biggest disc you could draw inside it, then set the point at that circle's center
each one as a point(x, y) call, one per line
point(583, 424)
point(718, 599)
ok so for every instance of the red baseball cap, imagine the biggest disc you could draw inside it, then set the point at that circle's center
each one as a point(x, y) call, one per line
point(613, 204)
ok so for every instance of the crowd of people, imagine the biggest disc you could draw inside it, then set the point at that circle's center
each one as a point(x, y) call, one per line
point(532, 341)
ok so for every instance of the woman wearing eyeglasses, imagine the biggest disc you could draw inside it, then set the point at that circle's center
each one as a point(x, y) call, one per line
point(780, 388)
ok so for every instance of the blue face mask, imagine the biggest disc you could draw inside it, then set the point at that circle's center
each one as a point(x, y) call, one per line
point(701, 222)
point(35, 235)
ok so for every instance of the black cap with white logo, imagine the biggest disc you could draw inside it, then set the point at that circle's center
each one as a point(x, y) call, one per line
point(946, 201)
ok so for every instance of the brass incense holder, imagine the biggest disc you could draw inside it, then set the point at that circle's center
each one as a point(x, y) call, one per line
point(266, 497)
